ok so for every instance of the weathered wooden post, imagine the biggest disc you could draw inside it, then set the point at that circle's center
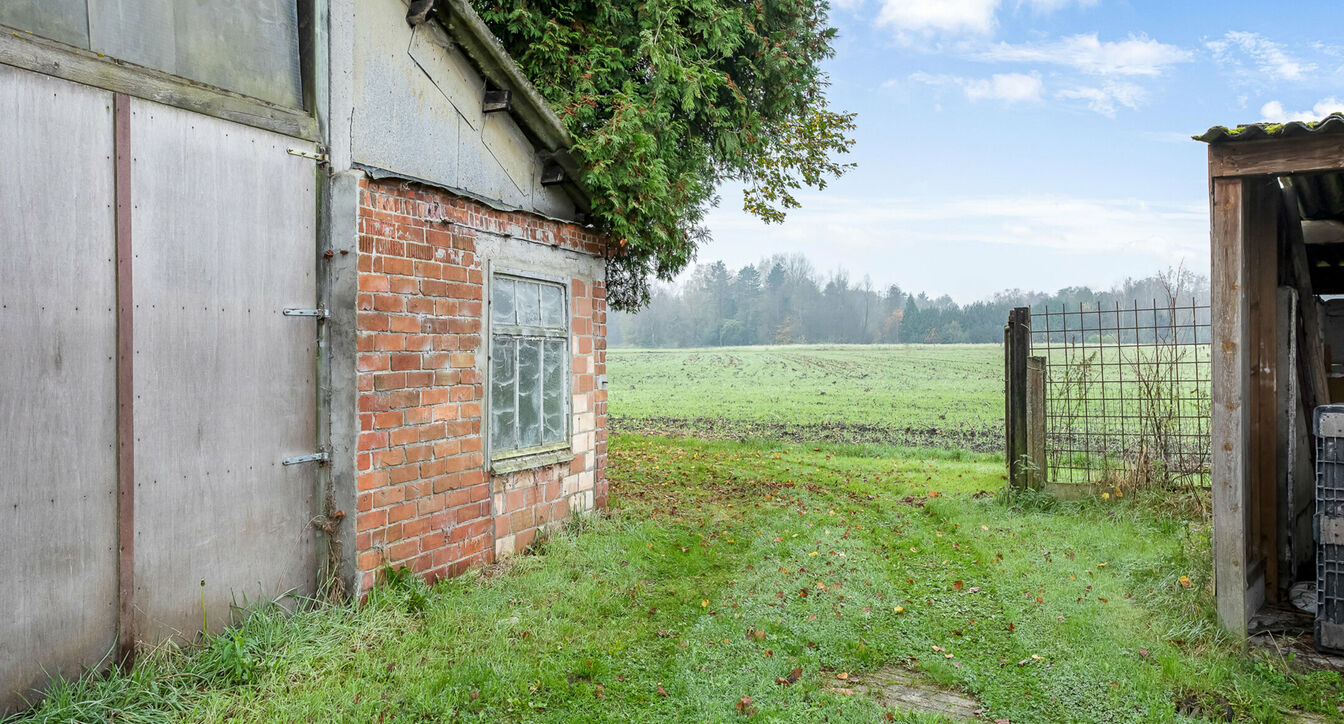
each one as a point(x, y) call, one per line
point(1036, 470)
point(1016, 347)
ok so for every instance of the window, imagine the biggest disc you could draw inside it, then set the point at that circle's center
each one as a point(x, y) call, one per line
point(529, 366)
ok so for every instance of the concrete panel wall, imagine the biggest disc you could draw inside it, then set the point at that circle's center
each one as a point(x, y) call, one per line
point(415, 104)
point(248, 46)
point(57, 381)
point(224, 241)
point(63, 20)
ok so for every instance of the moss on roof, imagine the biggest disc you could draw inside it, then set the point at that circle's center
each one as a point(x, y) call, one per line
point(1333, 123)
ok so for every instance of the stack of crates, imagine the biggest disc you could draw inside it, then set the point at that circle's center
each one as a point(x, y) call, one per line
point(1329, 528)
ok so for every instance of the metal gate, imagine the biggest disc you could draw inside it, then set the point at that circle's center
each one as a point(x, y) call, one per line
point(1126, 392)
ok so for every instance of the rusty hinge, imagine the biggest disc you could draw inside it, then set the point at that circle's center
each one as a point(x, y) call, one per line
point(320, 313)
point(318, 155)
point(318, 457)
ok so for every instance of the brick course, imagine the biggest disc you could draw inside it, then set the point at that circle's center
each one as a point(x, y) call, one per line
point(425, 497)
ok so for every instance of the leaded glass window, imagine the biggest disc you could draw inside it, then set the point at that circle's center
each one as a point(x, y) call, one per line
point(529, 365)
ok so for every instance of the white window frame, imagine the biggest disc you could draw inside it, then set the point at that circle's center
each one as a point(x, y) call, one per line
point(504, 461)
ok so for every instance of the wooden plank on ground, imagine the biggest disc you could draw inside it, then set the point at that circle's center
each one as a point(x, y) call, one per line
point(901, 689)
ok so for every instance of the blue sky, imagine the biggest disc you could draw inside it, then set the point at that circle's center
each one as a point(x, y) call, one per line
point(1038, 144)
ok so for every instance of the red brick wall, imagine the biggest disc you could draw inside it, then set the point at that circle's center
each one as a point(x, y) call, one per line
point(425, 497)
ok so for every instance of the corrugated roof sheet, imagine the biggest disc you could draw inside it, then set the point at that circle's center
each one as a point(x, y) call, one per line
point(1331, 124)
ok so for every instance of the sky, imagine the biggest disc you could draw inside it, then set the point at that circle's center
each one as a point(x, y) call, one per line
point(1038, 144)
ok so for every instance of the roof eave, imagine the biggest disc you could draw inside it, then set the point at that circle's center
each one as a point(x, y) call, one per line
point(529, 108)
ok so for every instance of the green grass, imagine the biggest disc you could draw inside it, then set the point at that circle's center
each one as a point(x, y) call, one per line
point(925, 395)
point(1045, 611)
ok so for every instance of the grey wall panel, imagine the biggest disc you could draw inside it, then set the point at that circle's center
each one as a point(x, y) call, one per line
point(224, 242)
point(553, 201)
point(247, 46)
point(250, 46)
point(57, 380)
point(402, 121)
point(414, 82)
point(63, 20)
point(141, 31)
point(480, 172)
point(433, 52)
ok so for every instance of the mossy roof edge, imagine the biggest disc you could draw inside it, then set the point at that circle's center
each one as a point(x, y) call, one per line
point(1333, 123)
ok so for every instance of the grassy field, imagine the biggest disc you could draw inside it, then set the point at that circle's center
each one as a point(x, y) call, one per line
point(725, 567)
point(928, 395)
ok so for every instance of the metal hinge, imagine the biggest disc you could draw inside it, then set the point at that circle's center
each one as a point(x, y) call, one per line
point(317, 457)
point(320, 313)
point(318, 156)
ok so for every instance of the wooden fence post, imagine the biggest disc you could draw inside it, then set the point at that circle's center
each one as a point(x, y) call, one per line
point(1036, 470)
point(1017, 345)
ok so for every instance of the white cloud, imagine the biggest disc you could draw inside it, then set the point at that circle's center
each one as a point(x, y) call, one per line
point(1274, 111)
point(1064, 223)
point(1139, 55)
point(1045, 240)
point(1050, 6)
point(938, 16)
point(1104, 100)
point(1268, 56)
point(1007, 87)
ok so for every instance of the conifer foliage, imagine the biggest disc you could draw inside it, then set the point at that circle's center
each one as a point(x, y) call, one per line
point(666, 99)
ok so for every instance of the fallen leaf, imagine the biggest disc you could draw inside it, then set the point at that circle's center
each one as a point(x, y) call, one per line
point(843, 675)
point(957, 585)
point(661, 691)
point(744, 705)
point(1185, 582)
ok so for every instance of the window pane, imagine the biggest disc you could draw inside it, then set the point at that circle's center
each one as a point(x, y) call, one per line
point(553, 390)
point(529, 311)
point(552, 306)
point(501, 301)
point(529, 392)
point(503, 388)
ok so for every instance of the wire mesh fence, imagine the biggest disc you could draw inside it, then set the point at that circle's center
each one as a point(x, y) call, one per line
point(1127, 392)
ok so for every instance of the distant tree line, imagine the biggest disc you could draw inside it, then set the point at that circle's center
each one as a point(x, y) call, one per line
point(785, 300)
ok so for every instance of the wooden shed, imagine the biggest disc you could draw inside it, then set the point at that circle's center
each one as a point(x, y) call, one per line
point(1276, 194)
